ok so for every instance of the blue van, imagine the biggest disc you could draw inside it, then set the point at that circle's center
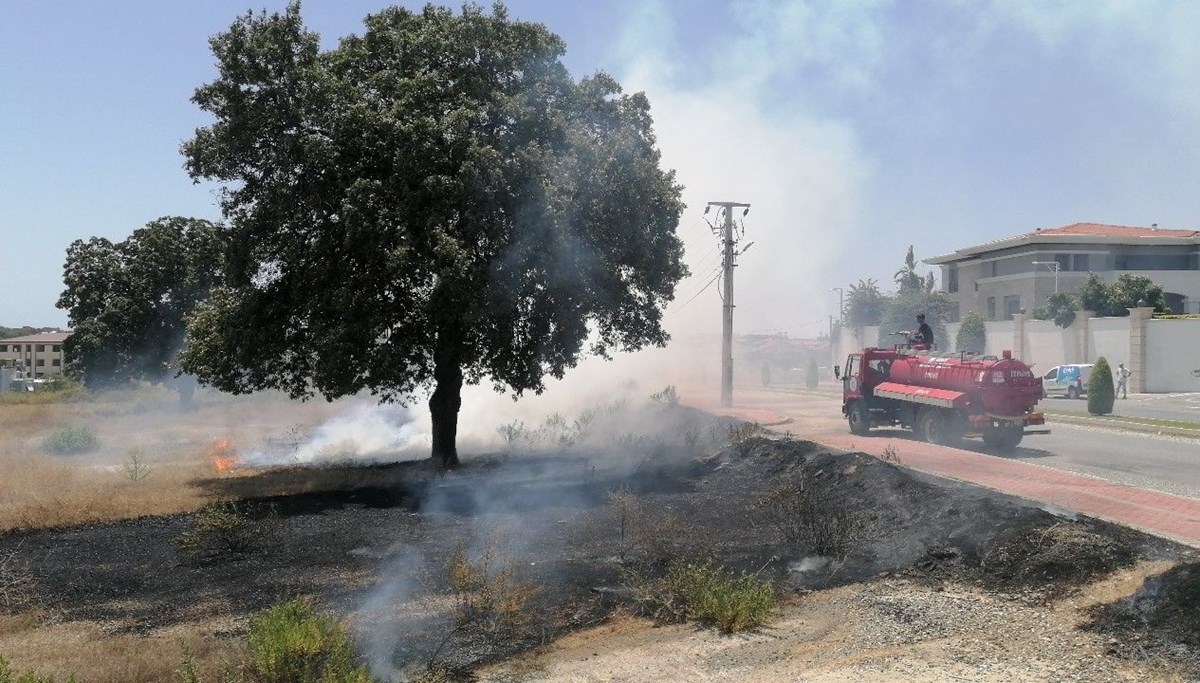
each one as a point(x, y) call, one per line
point(1067, 380)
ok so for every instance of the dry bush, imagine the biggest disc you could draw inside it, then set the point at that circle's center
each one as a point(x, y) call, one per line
point(739, 433)
point(220, 529)
point(809, 520)
point(16, 583)
point(492, 603)
point(641, 532)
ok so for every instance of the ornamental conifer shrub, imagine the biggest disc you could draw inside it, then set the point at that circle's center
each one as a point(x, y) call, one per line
point(813, 376)
point(1101, 392)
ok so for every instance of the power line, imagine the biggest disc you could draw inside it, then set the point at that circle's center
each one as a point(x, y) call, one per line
point(716, 275)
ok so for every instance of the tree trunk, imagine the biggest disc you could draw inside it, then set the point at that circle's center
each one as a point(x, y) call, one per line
point(445, 402)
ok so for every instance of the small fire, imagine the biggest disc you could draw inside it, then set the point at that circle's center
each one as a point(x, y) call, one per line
point(223, 456)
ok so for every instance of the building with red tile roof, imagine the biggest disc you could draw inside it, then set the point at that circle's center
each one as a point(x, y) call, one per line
point(998, 279)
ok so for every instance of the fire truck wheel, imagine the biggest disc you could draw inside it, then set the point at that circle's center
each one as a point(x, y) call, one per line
point(1003, 439)
point(930, 426)
point(859, 418)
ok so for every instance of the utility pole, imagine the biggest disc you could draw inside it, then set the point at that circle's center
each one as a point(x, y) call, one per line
point(727, 264)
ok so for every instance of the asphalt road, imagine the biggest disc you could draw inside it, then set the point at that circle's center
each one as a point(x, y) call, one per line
point(1162, 463)
point(1170, 464)
point(1185, 407)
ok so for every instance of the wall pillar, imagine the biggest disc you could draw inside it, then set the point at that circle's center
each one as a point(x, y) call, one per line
point(1083, 335)
point(1139, 321)
point(1018, 345)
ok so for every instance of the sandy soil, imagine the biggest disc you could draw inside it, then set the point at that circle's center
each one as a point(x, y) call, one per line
point(887, 630)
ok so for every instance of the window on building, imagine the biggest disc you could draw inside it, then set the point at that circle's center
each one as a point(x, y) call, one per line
point(41, 348)
point(1079, 263)
point(56, 348)
point(57, 362)
point(991, 308)
point(952, 279)
point(41, 362)
point(1012, 305)
point(3, 348)
point(1063, 261)
point(1121, 263)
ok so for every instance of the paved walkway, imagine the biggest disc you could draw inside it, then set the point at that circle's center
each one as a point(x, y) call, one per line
point(1169, 516)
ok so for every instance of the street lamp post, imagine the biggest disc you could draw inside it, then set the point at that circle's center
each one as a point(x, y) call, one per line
point(841, 303)
point(1055, 265)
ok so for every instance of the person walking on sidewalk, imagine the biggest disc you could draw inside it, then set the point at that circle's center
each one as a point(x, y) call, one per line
point(1123, 380)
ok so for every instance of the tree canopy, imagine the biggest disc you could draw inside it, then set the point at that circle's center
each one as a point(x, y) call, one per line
point(1128, 291)
point(1060, 307)
point(431, 203)
point(127, 301)
point(864, 304)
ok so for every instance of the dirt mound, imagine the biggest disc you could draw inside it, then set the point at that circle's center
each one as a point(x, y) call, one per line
point(1159, 620)
point(1052, 560)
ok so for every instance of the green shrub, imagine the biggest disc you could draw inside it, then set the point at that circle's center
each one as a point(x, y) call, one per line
point(1101, 392)
point(707, 593)
point(71, 439)
point(220, 529)
point(293, 643)
point(7, 675)
point(813, 376)
point(972, 335)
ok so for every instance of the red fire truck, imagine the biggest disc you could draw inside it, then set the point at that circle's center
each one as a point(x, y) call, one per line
point(942, 397)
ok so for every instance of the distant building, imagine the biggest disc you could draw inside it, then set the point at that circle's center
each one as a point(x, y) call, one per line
point(36, 355)
point(1002, 278)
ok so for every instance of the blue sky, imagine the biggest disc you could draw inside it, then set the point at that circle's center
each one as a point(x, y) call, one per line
point(855, 127)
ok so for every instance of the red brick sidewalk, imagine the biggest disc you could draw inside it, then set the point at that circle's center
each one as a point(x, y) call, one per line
point(1162, 514)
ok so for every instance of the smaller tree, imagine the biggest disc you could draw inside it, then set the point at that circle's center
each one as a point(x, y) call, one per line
point(1060, 308)
point(813, 376)
point(128, 301)
point(972, 335)
point(1101, 392)
point(864, 304)
point(1130, 291)
point(1094, 295)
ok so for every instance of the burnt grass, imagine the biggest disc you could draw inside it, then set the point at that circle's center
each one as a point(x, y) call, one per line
point(375, 542)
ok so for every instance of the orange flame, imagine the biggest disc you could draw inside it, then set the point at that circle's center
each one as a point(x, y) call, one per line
point(223, 456)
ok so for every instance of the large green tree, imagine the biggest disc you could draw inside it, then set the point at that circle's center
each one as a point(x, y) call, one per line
point(431, 203)
point(127, 301)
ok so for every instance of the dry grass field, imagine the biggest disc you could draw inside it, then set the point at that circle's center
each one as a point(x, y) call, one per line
point(144, 457)
point(147, 458)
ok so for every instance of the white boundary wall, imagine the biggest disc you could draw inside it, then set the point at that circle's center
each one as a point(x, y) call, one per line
point(1109, 338)
point(1172, 355)
point(1047, 345)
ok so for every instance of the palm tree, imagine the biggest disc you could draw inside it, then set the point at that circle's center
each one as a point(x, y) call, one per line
point(907, 277)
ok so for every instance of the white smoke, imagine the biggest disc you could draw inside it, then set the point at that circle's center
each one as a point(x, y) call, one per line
point(363, 432)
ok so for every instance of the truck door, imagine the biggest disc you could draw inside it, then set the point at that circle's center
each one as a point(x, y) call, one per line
point(851, 382)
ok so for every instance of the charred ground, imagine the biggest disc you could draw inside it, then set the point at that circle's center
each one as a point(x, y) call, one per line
point(376, 542)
